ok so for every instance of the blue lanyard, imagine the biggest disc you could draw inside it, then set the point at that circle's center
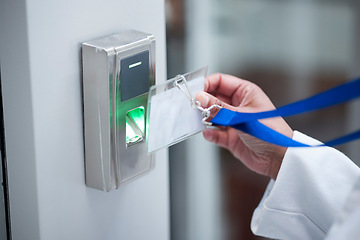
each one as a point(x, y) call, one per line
point(248, 122)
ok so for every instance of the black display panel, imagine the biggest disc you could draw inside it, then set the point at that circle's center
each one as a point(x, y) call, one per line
point(134, 75)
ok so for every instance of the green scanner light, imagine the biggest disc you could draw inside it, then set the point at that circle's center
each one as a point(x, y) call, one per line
point(135, 126)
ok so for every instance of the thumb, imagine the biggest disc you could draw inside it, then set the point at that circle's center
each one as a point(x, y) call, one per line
point(208, 100)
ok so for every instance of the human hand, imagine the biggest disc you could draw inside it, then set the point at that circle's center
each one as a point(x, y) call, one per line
point(243, 96)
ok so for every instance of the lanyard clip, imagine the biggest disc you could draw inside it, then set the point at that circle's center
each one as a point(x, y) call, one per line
point(195, 104)
point(206, 112)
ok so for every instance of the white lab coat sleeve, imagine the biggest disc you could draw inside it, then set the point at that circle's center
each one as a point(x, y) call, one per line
point(311, 187)
point(346, 225)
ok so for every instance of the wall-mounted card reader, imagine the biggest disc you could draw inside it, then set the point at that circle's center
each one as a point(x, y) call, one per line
point(118, 71)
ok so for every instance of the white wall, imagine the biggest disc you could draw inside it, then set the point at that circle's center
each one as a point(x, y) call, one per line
point(41, 76)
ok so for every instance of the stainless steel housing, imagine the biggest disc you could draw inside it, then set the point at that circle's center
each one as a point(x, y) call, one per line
point(109, 161)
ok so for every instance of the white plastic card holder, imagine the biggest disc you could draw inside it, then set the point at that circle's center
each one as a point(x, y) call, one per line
point(171, 117)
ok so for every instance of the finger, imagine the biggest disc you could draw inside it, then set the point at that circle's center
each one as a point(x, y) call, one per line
point(223, 98)
point(227, 138)
point(225, 84)
point(208, 100)
point(238, 92)
point(216, 136)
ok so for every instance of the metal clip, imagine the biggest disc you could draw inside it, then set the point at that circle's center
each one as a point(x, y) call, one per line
point(181, 79)
point(195, 104)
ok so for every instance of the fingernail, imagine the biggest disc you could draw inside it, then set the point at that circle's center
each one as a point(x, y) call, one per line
point(203, 99)
point(209, 134)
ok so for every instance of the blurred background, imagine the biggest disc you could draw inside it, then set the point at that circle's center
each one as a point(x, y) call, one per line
point(292, 50)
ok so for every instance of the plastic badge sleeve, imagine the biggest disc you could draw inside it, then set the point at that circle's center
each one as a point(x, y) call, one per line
point(171, 118)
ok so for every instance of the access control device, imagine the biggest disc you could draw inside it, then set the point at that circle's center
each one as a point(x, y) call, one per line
point(118, 71)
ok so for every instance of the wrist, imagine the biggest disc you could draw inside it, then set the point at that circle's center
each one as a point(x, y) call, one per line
point(276, 163)
point(279, 155)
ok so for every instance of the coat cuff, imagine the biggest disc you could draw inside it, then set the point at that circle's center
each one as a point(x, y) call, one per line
point(311, 186)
